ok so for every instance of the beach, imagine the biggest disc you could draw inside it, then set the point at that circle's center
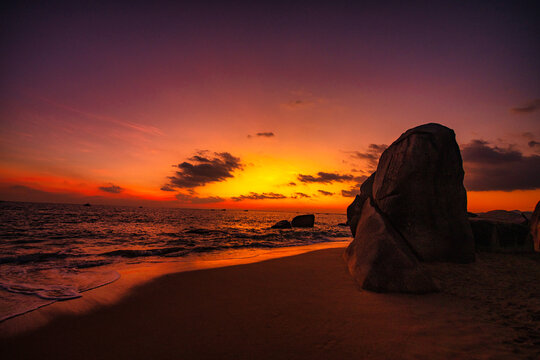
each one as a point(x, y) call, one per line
point(305, 306)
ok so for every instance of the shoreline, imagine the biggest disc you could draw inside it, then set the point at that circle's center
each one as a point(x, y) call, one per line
point(304, 306)
point(134, 275)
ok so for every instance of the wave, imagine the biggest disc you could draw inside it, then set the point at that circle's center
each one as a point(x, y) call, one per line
point(84, 264)
point(32, 257)
point(198, 231)
point(131, 253)
point(46, 294)
point(182, 251)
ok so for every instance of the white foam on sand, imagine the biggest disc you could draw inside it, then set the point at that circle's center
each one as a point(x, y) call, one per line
point(17, 298)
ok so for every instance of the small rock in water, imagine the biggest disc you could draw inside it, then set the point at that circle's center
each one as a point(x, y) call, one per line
point(283, 224)
point(303, 221)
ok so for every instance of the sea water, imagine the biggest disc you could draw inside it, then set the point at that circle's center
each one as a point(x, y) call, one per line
point(51, 252)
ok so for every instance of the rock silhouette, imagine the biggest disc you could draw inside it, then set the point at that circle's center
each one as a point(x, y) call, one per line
point(355, 209)
point(416, 203)
point(303, 221)
point(515, 216)
point(535, 227)
point(282, 224)
point(419, 185)
point(494, 235)
point(380, 259)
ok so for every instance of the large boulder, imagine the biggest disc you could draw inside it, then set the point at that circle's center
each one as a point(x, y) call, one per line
point(412, 209)
point(380, 260)
point(303, 221)
point(535, 227)
point(419, 186)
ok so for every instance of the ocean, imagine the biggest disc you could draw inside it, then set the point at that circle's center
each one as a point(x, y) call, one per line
point(52, 252)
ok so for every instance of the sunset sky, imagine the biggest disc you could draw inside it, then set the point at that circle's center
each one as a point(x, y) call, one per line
point(255, 106)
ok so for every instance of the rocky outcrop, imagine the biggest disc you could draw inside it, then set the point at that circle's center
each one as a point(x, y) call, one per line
point(535, 227)
point(514, 217)
point(355, 209)
point(501, 231)
point(303, 221)
point(415, 203)
point(282, 224)
point(380, 260)
point(493, 235)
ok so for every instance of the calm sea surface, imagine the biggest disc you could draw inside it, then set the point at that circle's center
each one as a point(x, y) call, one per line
point(51, 252)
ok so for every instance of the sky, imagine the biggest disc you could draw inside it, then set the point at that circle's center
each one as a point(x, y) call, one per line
point(247, 105)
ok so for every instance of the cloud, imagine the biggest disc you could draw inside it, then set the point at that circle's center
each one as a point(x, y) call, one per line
point(187, 198)
point(111, 188)
point(478, 151)
point(533, 144)
point(300, 195)
point(266, 134)
point(256, 196)
point(297, 104)
point(352, 192)
point(262, 134)
point(292, 183)
point(326, 193)
point(530, 107)
point(325, 178)
point(202, 169)
point(167, 187)
point(494, 168)
point(371, 155)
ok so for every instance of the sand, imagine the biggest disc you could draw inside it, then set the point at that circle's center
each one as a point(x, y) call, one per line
point(301, 307)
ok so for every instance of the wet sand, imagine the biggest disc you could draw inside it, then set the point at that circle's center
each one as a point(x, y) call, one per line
point(299, 307)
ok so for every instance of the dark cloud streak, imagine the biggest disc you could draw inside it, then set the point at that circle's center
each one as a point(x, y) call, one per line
point(112, 189)
point(494, 168)
point(479, 151)
point(203, 169)
point(349, 193)
point(533, 144)
point(354, 190)
point(186, 198)
point(256, 196)
point(530, 107)
point(371, 155)
point(300, 195)
point(325, 178)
